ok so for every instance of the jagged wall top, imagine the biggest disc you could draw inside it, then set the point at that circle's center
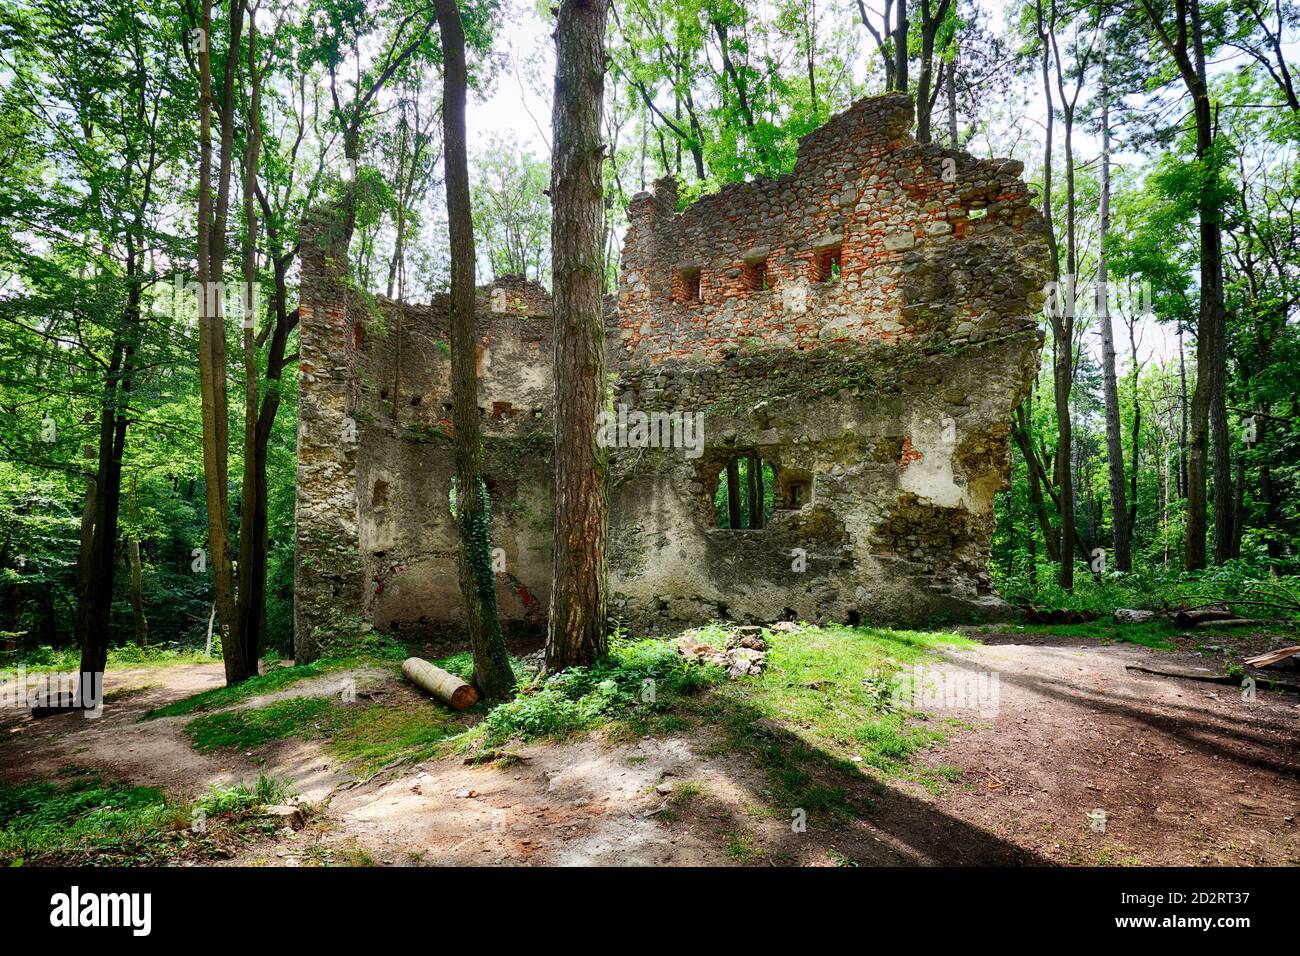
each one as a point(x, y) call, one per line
point(871, 237)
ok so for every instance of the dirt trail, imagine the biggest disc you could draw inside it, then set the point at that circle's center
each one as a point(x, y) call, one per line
point(157, 752)
point(1184, 772)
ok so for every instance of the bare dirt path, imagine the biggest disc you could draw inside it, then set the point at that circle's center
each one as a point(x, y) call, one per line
point(1184, 772)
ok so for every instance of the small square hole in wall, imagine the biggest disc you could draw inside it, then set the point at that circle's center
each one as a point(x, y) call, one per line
point(754, 276)
point(688, 284)
point(826, 264)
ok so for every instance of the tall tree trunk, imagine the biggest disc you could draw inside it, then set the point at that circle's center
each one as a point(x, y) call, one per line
point(212, 334)
point(952, 103)
point(1135, 440)
point(251, 606)
point(1183, 408)
point(1062, 317)
point(114, 412)
point(1037, 478)
point(137, 593)
point(1207, 396)
point(900, 48)
point(576, 630)
point(492, 672)
point(88, 511)
point(879, 36)
point(931, 20)
point(1114, 438)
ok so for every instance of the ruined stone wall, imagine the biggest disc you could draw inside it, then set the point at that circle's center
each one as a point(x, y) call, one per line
point(327, 559)
point(919, 234)
point(865, 325)
point(407, 536)
point(883, 386)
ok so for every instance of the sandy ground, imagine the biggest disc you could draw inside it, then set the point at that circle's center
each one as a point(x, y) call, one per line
point(1183, 772)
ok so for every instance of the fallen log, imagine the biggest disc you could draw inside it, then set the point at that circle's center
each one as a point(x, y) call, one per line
point(1036, 615)
point(1190, 617)
point(448, 688)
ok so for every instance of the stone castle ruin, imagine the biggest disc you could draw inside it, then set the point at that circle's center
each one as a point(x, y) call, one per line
point(852, 337)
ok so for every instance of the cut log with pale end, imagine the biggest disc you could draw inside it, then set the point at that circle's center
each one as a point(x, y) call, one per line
point(448, 688)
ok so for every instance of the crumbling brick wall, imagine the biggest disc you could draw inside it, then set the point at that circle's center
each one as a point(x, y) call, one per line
point(865, 325)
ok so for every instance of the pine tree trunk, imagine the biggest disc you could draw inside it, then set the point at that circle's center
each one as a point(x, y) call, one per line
point(492, 672)
point(576, 630)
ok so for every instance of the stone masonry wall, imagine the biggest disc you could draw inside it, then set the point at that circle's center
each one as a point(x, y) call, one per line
point(865, 325)
point(913, 229)
point(327, 580)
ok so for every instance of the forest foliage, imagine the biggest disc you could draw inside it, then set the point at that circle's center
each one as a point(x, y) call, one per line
point(1154, 133)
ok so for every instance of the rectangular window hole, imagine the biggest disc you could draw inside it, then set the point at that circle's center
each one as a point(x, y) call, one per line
point(827, 264)
point(688, 285)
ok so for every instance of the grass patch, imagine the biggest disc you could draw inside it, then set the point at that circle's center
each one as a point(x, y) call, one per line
point(85, 816)
point(240, 798)
point(825, 698)
point(1157, 635)
point(273, 680)
point(87, 820)
point(380, 736)
point(310, 718)
point(45, 658)
point(740, 847)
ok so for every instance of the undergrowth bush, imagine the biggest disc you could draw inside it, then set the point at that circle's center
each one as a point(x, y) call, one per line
point(636, 676)
point(1156, 587)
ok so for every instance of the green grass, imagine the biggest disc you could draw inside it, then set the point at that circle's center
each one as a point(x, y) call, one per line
point(87, 820)
point(1157, 635)
point(306, 717)
point(379, 736)
point(46, 658)
point(240, 798)
point(825, 698)
point(830, 686)
point(273, 680)
point(367, 737)
point(85, 815)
